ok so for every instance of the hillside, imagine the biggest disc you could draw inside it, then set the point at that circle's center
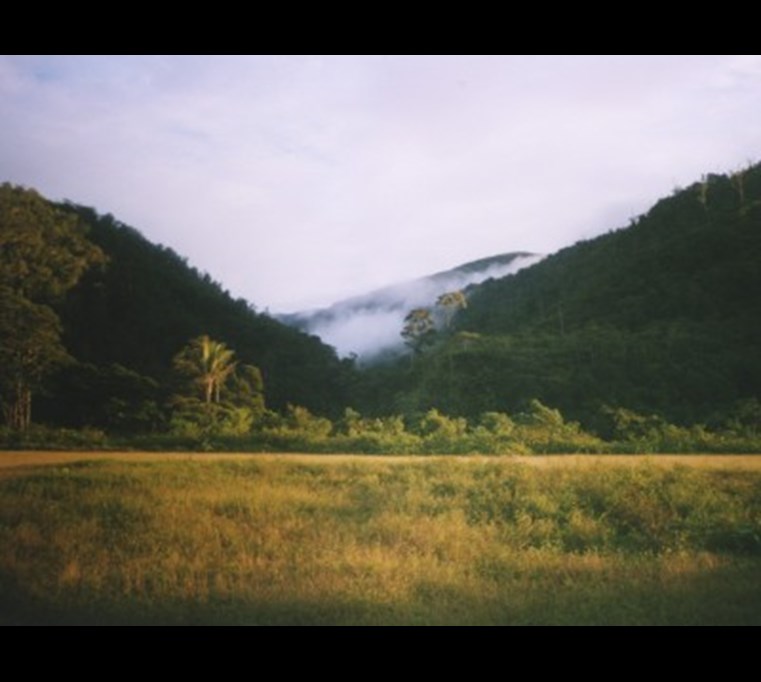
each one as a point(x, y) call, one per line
point(124, 322)
point(662, 316)
point(370, 324)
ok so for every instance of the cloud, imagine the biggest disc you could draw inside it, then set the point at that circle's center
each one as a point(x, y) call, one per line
point(300, 180)
point(370, 324)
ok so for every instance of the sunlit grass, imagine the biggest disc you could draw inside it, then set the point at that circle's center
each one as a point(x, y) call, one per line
point(381, 541)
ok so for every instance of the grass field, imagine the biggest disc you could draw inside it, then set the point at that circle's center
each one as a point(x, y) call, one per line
point(305, 539)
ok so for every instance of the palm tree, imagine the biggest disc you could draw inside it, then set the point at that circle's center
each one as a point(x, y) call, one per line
point(209, 363)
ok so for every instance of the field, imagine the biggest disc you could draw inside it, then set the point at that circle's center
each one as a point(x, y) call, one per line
point(109, 538)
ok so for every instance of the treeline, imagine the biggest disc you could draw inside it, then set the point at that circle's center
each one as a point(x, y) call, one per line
point(538, 429)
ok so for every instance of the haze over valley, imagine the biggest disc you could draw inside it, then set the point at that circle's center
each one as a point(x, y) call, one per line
point(371, 324)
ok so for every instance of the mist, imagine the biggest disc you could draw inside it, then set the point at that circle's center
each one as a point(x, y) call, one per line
point(369, 325)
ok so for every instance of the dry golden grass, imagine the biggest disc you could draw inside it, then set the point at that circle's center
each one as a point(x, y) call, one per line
point(30, 458)
point(251, 539)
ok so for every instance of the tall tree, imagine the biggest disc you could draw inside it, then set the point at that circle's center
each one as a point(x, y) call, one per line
point(30, 347)
point(419, 329)
point(208, 364)
point(43, 253)
point(222, 398)
point(450, 303)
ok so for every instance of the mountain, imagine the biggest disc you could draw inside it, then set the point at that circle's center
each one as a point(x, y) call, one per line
point(663, 316)
point(125, 321)
point(370, 324)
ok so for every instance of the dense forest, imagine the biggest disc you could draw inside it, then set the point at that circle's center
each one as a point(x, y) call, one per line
point(125, 310)
point(646, 336)
point(661, 317)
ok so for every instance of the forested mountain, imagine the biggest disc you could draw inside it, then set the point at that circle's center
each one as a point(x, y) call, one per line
point(125, 320)
point(369, 325)
point(662, 316)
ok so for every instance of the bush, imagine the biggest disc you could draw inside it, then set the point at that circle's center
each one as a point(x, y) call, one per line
point(38, 437)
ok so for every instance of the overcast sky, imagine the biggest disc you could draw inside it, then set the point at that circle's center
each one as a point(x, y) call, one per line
point(296, 181)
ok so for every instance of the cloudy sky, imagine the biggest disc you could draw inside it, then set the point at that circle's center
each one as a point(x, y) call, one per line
point(296, 181)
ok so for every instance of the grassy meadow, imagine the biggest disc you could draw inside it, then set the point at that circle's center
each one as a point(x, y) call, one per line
point(114, 538)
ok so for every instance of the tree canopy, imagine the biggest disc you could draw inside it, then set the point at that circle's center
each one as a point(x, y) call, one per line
point(43, 253)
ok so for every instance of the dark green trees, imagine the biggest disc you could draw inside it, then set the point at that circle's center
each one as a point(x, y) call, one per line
point(43, 253)
point(146, 305)
point(30, 346)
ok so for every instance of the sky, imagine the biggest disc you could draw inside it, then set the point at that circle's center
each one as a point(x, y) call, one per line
point(298, 181)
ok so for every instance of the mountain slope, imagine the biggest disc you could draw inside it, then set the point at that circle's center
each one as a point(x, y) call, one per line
point(693, 256)
point(663, 316)
point(371, 323)
point(146, 303)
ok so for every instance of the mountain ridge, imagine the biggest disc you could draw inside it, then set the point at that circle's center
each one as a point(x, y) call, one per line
point(383, 310)
point(146, 303)
point(662, 316)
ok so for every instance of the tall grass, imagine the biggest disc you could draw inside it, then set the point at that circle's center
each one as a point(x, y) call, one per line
point(357, 541)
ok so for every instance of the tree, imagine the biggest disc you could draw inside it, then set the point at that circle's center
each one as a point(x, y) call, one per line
point(31, 346)
point(208, 364)
point(224, 398)
point(43, 253)
point(246, 389)
point(419, 329)
point(450, 303)
point(43, 250)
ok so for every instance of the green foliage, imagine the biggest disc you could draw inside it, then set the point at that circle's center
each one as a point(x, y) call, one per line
point(660, 320)
point(301, 421)
point(436, 425)
point(111, 397)
point(544, 430)
point(662, 317)
point(41, 437)
point(207, 364)
point(419, 329)
point(43, 253)
point(218, 398)
point(147, 303)
point(30, 348)
point(629, 426)
point(199, 420)
point(450, 303)
point(745, 418)
point(245, 388)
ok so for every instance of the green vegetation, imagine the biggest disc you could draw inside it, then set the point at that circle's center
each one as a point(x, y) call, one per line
point(43, 253)
point(216, 397)
point(267, 540)
point(146, 305)
point(241, 423)
point(662, 317)
point(642, 340)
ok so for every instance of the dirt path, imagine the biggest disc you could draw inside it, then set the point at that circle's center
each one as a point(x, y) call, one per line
point(34, 458)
